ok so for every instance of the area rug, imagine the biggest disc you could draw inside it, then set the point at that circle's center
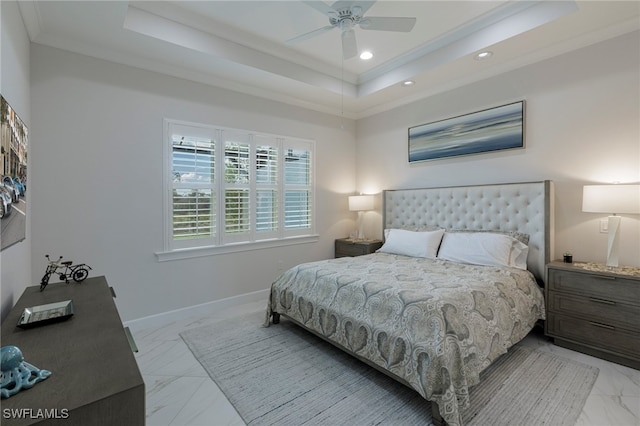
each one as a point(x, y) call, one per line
point(283, 375)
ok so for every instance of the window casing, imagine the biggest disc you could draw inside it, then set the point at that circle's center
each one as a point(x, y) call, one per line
point(227, 187)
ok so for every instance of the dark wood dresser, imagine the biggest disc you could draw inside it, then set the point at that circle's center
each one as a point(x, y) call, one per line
point(595, 310)
point(95, 379)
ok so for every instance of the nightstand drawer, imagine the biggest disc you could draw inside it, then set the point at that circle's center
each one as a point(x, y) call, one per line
point(596, 334)
point(345, 247)
point(600, 286)
point(595, 309)
point(350, 250)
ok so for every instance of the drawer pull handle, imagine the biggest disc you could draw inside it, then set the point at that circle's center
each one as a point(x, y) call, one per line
point(132, 343)
point(603, 301)
point(597, 324)
point(606, 277)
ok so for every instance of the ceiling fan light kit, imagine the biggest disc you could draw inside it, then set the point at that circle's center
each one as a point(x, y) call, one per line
point(346, 15)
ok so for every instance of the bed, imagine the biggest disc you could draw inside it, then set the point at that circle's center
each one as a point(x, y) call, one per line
point(455, 285)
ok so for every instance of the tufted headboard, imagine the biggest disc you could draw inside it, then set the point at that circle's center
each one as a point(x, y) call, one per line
point(524, 207)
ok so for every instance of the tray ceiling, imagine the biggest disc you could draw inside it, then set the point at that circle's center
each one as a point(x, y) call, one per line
point(240, 45)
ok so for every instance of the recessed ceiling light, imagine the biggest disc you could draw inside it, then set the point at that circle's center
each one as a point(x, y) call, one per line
point(483, 55)
point(407, 83)
point(366, 55)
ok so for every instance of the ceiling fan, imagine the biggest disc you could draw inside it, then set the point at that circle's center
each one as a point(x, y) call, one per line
point(346, 15)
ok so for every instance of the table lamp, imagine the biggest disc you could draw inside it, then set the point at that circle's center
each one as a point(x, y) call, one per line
point(360, 204)
point(613, 199)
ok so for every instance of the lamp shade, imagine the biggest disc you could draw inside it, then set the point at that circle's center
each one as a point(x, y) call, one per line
point(611, 199)
point(358, 203)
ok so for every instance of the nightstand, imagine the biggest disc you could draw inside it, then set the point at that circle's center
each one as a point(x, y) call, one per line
point(347, 247)
point(595, 310)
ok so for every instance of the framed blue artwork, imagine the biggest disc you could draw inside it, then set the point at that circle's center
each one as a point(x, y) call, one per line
point(487, 130)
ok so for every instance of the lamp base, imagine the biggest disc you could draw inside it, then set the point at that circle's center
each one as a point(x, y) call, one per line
point(613, 241)
point(360, 235)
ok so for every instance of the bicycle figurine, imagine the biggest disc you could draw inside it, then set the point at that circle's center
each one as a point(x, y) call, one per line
point(78, 272)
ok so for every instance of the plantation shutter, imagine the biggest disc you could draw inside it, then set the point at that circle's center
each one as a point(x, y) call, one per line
point(267, 171)
point(193, 192)
point(237, 180)
point(298, 196)
point(228, 186)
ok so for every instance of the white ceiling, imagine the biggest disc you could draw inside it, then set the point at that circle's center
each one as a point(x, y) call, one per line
point(240, 45)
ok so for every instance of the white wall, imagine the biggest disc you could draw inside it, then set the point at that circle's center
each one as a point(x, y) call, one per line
point(582, 126)
point(97, 179)
point(15, 261)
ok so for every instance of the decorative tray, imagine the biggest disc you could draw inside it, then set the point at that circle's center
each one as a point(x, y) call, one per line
point(45, 314)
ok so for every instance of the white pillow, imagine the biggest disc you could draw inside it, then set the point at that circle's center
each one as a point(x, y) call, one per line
point(484, 248)
point(519, 253)
point(410, 243)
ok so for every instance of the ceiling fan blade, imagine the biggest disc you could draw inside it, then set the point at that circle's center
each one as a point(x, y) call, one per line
point(320, 6)
point(383, 23)
point(349, 46)
point(309, 35)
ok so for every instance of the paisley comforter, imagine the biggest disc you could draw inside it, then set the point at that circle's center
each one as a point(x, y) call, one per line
point(434, 324)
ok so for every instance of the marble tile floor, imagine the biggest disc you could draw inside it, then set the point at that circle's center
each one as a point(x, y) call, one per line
point(180, 392)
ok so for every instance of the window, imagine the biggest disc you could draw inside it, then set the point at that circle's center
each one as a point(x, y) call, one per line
point(227, 186)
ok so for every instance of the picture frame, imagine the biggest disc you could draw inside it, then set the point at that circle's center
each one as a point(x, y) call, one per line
point(492, 129)
point(14, 142)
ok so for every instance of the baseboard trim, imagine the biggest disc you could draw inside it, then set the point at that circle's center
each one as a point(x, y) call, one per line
point(159, 320)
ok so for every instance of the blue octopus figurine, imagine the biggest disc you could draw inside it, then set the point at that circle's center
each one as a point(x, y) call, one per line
point(17, 374)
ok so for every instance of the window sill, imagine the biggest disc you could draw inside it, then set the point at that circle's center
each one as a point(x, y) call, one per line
point(189, 253)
